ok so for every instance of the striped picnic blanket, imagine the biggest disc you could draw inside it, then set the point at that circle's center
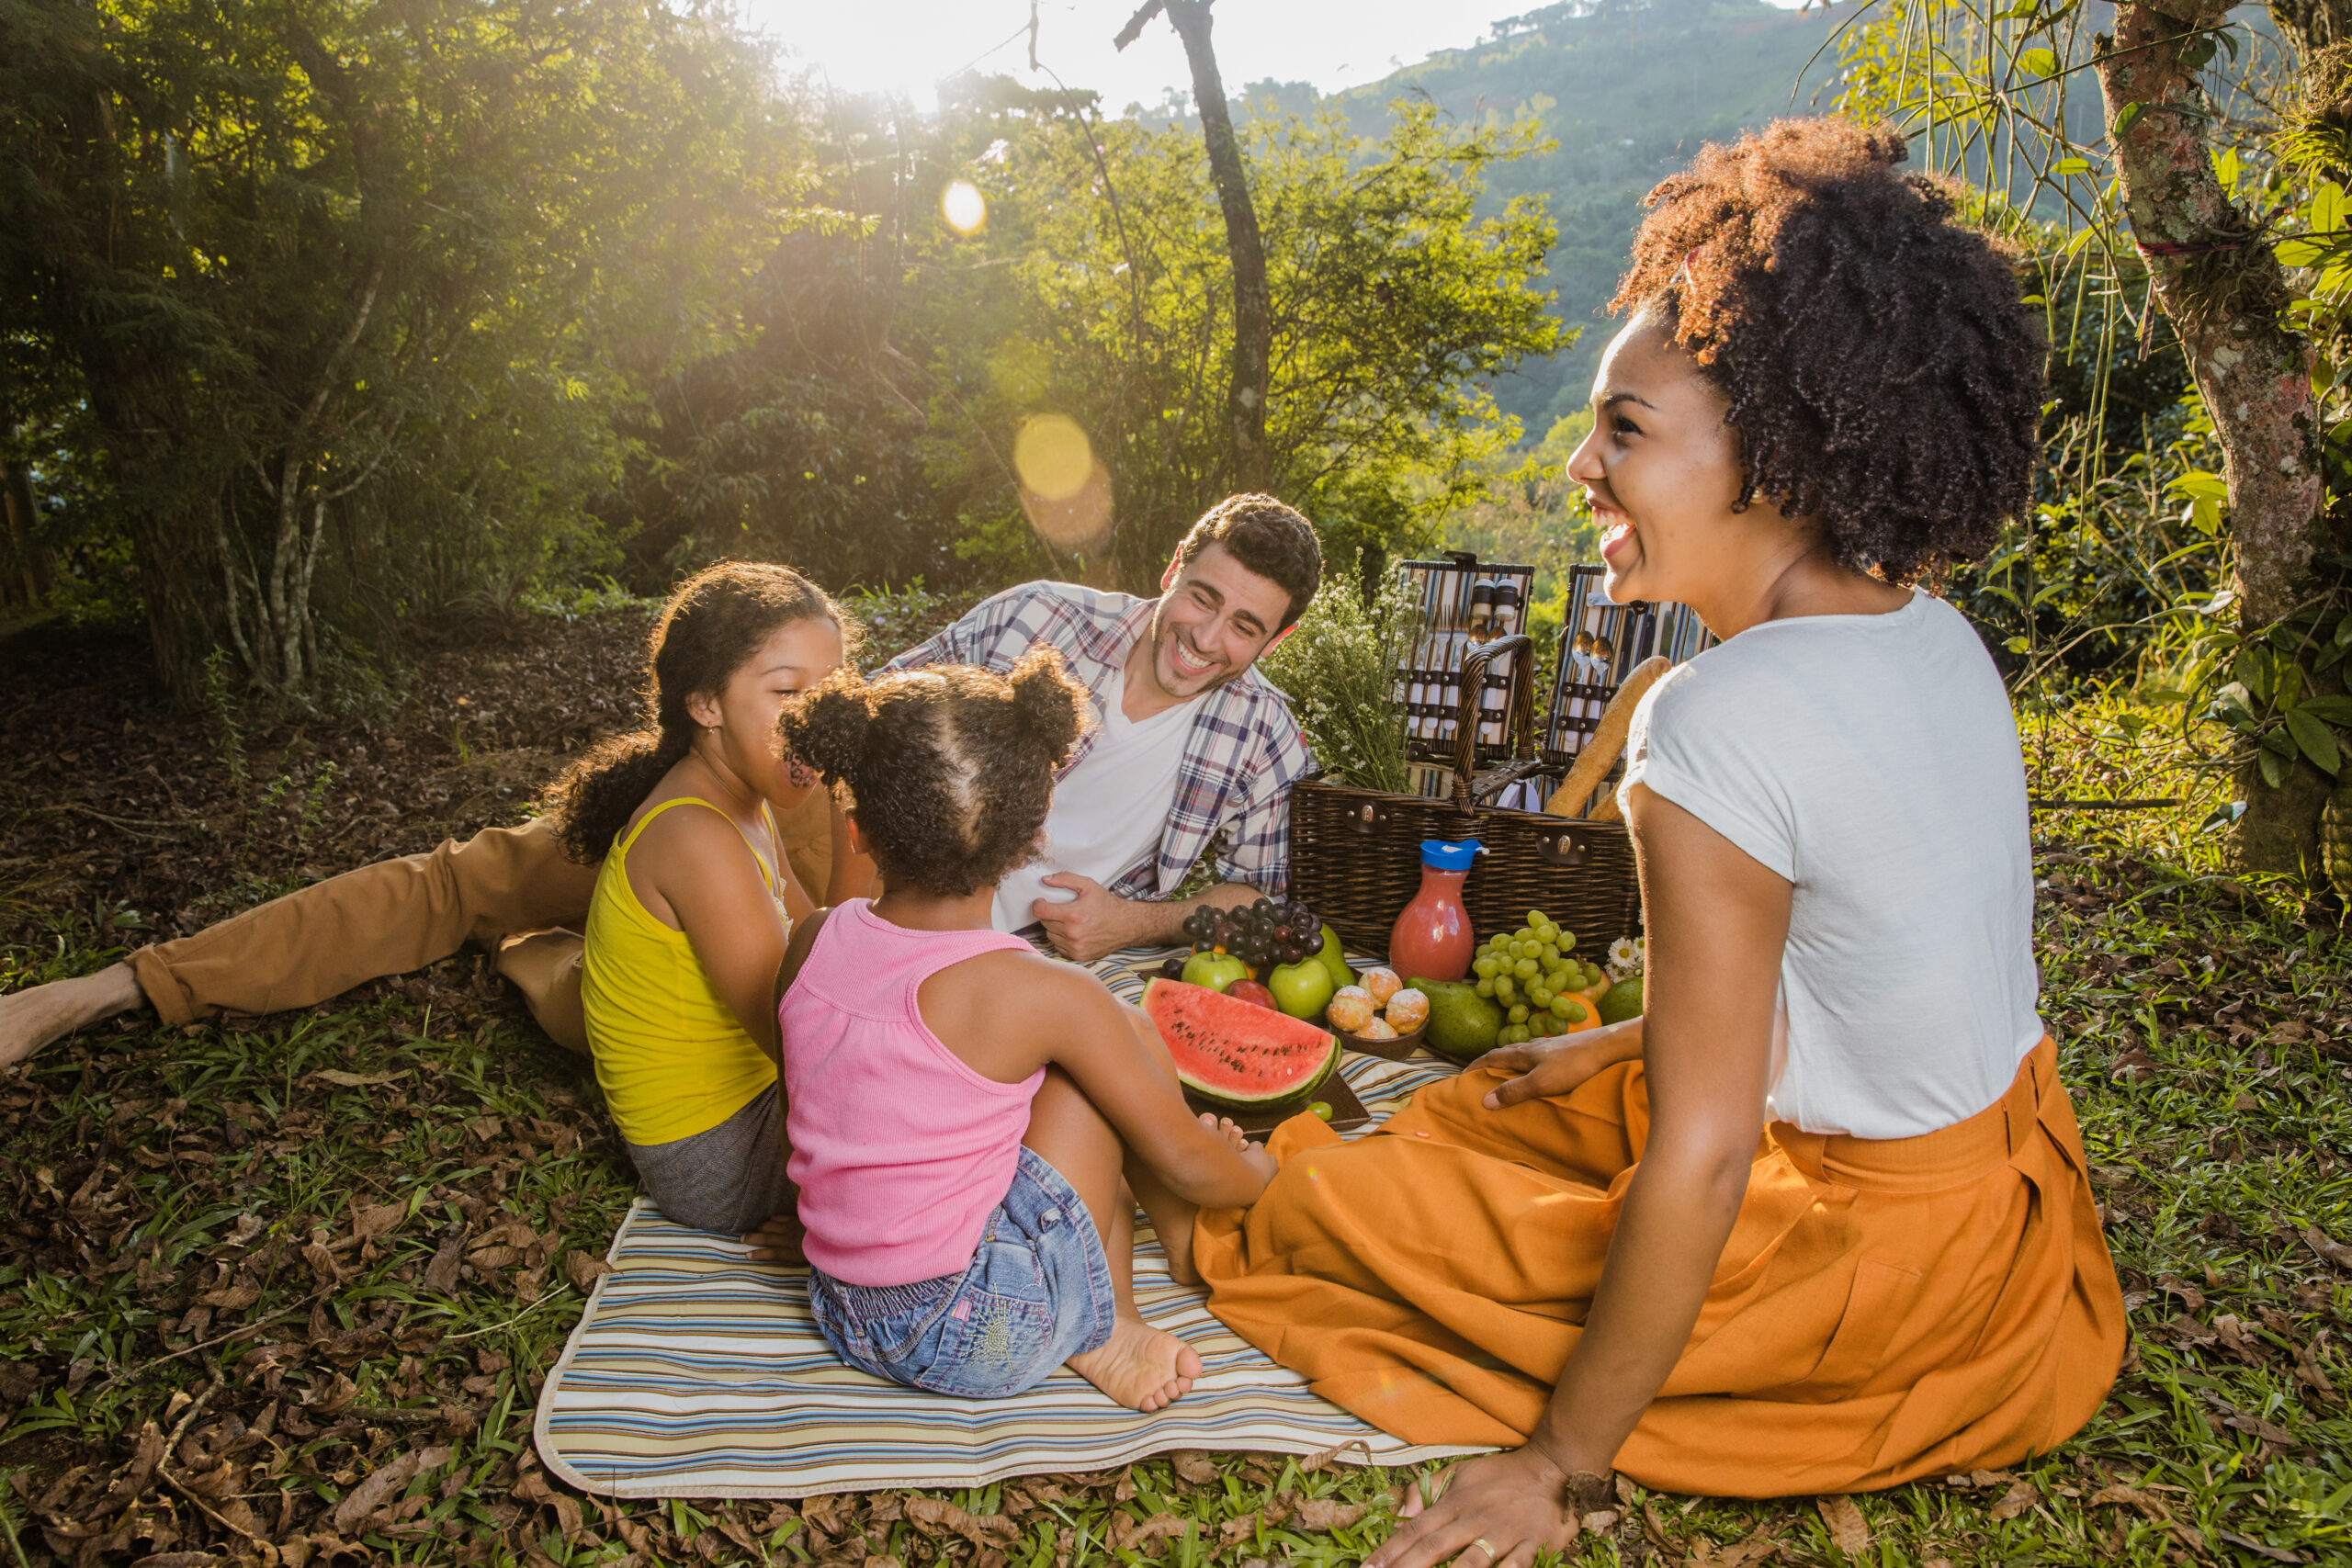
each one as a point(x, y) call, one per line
point(694, 1372)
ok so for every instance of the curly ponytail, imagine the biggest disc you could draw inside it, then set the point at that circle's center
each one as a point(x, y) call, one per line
point(952, 768)
point(716, 620)
point(1044, 717)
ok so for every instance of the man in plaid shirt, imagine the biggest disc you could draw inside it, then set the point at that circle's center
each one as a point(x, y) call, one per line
point(1192, 718)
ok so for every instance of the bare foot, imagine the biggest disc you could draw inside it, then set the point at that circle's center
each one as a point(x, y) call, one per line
point(545, 966)
point(31, 1019)
point(1143, 1368)
point(1229, 1129)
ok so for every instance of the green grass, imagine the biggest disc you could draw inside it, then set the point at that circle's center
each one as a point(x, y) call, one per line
point(2202, 1023)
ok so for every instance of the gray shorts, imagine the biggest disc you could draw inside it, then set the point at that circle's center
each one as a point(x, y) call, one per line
point(730, 1178)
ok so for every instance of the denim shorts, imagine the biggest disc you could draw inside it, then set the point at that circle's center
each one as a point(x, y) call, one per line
point(1036, 1293)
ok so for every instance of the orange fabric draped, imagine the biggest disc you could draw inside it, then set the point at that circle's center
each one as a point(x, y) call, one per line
point(1884, 1310)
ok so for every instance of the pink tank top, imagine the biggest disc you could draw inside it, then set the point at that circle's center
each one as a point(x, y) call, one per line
point(900, 1151)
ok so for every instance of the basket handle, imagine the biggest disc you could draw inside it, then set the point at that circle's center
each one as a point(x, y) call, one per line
point(1474, 688)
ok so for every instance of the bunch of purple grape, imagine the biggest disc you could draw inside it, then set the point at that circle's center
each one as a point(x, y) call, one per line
point(1261, 935)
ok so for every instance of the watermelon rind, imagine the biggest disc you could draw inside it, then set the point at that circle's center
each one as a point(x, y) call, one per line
point(1208, 1031)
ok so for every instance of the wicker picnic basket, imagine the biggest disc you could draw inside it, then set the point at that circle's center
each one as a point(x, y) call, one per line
point(1355, 853)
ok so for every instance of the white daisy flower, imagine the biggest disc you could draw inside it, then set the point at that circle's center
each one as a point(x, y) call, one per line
point(1623, 954)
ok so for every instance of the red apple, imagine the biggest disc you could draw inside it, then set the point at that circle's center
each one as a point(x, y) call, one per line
point(1252, 991)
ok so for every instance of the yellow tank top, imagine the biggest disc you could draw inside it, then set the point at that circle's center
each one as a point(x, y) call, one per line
point(668, 1051)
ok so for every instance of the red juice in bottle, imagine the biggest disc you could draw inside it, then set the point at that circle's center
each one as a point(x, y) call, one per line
point(1433, 938)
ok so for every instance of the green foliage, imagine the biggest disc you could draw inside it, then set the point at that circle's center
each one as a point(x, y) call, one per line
point(342, 293)
point(339, 321)
point(1620, 94)
point(1339, 668)
point(1101, 291)
point(1531, 513)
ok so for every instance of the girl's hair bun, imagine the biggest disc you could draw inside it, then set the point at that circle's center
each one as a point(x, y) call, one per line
point(827, 725)
point(1049, 708)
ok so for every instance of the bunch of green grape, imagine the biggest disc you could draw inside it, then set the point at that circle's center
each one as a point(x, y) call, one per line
point(1530, 972)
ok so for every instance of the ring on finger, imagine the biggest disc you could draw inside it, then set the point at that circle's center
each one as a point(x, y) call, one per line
point(1481, 1544)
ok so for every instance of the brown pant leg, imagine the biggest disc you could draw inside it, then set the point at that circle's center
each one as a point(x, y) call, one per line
point(385, 918)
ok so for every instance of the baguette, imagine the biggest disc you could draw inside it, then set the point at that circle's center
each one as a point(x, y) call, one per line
point(1592, 765)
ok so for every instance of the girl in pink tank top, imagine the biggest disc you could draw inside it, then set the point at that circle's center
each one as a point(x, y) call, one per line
point(971, 1122)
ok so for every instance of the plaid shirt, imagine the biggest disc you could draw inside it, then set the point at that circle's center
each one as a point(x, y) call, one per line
point(1240, 756)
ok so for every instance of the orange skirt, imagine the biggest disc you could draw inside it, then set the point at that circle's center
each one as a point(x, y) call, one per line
point(1885, 1309)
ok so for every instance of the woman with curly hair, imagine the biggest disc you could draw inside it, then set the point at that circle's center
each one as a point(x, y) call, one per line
point(1819, 1222)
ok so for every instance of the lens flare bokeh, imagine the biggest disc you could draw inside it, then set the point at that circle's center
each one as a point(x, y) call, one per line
point(1065, 488)
point(964, 207)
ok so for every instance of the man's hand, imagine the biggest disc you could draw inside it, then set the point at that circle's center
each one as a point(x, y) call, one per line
point(1097, 921)
point(1554, 1067)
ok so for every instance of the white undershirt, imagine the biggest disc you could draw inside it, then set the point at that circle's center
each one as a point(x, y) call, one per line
point(1108, 811)
point(1871, 761)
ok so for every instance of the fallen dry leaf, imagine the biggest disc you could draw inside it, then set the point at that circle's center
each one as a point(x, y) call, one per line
point(1327, 1514)
point(1128, 1534)
point(584, 1269)
point(441, 1274)
point(936, 1513)
point(492, 1256)
point(2023, 1495)
point(2147, 1503)
point(1848, 1531)
point(2327, 1247)
point(1190, 1463)
point(1316, 1460)
point(339, 1396)
point(531, 1486)
point(1239, 1530)
point(377, 1220)
point(235, 1298)
point(382, 1482)
point(323, 1268)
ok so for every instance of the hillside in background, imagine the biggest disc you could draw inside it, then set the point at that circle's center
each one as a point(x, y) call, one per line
point(1626, 90)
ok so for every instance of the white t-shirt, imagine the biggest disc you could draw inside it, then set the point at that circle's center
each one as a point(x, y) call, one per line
point(1108, 811)
point(1872, 760)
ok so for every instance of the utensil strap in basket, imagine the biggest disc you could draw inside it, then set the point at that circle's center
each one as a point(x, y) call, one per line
point(1521, 732)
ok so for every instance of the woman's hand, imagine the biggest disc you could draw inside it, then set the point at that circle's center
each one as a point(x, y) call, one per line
point(1552, 1066)
point(1499, 1509)
point(779, 1239)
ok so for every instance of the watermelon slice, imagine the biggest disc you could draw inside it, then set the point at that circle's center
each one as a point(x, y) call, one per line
point(1232, 1053)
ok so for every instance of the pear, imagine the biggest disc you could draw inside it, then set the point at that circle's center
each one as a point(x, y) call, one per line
point(1335, 959)
point(1462, 1024)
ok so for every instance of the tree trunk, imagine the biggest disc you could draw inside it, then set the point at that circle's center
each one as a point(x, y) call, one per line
point(2226, 295)
point(2313, 24)
point(28, 565)
point(1253, 310)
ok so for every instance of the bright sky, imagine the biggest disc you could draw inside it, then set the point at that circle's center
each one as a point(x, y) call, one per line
point(908, 45)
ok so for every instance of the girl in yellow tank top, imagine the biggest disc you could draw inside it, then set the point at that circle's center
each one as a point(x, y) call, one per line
point(692, 907)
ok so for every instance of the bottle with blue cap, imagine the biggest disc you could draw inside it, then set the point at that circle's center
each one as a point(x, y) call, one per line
point(1433, 938)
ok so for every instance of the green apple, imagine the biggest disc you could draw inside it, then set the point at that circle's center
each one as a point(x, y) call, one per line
point(1214, 970)
point(1301, 989)
point(1334, 958)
